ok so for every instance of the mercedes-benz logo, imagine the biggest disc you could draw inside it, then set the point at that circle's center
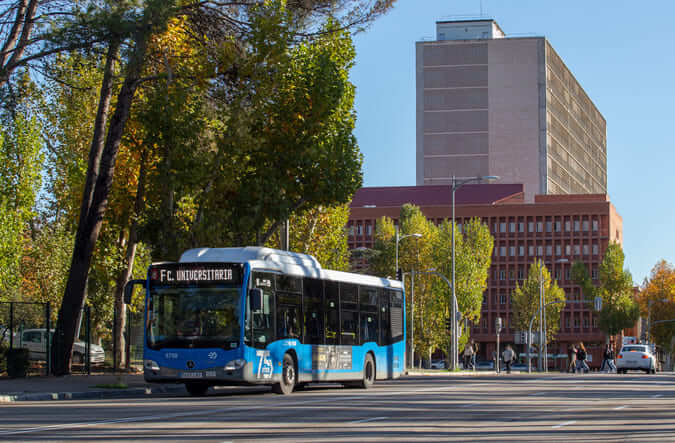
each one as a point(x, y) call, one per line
point(190, 364)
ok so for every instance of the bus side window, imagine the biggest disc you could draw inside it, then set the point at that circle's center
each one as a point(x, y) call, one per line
point(349, 315)
point(262, 321)
point(368, 314)
point(331, 307)
point(385, 320)
point(289, 296)
point(312, 306)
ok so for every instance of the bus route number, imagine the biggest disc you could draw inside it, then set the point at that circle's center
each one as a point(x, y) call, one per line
point(264, 364)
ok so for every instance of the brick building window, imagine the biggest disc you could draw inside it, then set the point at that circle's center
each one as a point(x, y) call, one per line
point(359, 229)
point(512, 274)
point(502, 227)
point(512, 227)
point(502, 251)
point(585, 322)
point(502, 300)
point(577, 250)
point(595, 322)
point(521, 227)
point(521, 274)
point(557, 226)
point(540, 227)
point(549, 250)
point(576, 322)
point(595, 225)
point(549, 226)
point(567, 322)
point(369, 230)
point(568, 226)
point(512, 251)
point(576, 226)
point(540, 251)
point(558, 250)
point(585, 249)
point(594, 273)
point(502, 274)
point(521, 250)
point(595, 249)
point(568, 249)
point(585, 225)
point(530, 227)
point(530, 250)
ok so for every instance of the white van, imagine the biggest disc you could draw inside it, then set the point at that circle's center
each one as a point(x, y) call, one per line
point(35, 340)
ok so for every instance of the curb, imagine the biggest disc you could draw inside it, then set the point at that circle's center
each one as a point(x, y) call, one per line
point(99, 394)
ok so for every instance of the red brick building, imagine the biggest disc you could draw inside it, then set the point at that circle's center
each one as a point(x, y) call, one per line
point(560, 229)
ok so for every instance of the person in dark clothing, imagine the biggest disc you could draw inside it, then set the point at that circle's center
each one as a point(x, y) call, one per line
point(581, 358)
point(608, 359)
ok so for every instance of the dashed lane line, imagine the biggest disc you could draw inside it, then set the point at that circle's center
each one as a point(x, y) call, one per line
point(565, 423)
point(366, 420)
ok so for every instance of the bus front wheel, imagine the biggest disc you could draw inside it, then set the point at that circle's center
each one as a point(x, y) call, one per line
point(288, 377)
point(368, 373)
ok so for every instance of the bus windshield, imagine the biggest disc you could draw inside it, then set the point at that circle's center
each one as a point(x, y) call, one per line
point(193, 317)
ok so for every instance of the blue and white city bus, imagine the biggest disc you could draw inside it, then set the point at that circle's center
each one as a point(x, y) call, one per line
point(226, 316)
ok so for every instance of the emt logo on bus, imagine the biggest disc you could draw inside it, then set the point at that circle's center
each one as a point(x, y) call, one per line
point(189, 273)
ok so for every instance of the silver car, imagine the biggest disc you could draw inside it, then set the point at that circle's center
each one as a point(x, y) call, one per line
point(35, 340)
point(636, 357)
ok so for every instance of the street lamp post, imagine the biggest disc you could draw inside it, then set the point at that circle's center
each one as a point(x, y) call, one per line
point(455, 186)
point(416, 235)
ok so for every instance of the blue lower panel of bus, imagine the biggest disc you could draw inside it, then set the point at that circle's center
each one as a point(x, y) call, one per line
point(315, 363)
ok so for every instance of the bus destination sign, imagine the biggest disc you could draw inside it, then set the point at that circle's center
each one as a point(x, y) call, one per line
point(195, 273)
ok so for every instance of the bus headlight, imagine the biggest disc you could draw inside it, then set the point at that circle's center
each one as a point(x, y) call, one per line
point(151, 365)
point(235, 364)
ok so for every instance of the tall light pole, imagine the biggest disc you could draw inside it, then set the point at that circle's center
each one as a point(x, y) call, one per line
point(455, 186)
point(416, 235)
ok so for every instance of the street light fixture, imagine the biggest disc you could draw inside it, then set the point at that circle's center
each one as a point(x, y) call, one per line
point(416, 235)
point(455, 186)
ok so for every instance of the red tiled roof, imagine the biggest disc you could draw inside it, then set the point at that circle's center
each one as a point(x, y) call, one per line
point(434, 195)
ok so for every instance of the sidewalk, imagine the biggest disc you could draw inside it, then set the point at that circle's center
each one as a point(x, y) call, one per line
point(80, 387)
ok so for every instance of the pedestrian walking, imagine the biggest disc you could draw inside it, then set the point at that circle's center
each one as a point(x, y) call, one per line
point(608, 359)
point(572, 355)
point(581, 358)
point(473, 357)
point(509, 356)
point(468, 355)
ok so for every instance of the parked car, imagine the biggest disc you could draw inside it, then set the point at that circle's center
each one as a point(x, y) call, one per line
point(35, 340)
point(635, 357)
point(485, 365)
point(438, 364)
point(519, 367)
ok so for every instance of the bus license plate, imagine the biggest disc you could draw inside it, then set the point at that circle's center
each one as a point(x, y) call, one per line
point(192, 375)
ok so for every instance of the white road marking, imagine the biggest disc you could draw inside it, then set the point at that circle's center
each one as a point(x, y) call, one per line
point(565, 423)
point(366, 420)
point(218, 411)
point(657, 395)
point(470, 404)
point(618, 408)
point(537, 394)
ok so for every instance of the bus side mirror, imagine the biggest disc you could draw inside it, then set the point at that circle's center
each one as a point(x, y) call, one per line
point(256, 299)
point(129, 289)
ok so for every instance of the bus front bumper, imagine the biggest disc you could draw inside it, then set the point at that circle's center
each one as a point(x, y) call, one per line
point(212, 376)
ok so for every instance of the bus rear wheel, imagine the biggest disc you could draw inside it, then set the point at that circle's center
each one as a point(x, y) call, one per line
point(368, 373)
point(288, 377)
point(197, 389)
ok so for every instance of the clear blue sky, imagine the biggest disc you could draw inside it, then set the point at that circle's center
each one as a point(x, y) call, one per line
point(621, 53)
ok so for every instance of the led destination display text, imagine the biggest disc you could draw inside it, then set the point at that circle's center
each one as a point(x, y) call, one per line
point(196, 273)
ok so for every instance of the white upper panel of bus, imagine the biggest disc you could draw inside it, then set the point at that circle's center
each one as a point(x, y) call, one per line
point(275, 260)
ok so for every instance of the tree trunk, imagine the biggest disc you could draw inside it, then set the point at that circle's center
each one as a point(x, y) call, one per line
point(18, 38)
point(90, 221)
point(125, 275)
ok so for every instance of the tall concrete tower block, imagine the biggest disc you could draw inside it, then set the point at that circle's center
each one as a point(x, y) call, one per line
point(488, 104)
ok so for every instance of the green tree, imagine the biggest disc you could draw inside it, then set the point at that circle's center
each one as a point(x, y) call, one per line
point(433, 251)
point(20, 162)
point(525, 300)
point(321, 232)
point(657, 302)
point(619, 308)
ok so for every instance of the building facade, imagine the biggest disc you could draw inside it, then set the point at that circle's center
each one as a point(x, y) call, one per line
point(559, 229)
point(488, 105)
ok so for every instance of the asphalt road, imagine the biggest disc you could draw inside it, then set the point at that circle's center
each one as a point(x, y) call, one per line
point(517, 407)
